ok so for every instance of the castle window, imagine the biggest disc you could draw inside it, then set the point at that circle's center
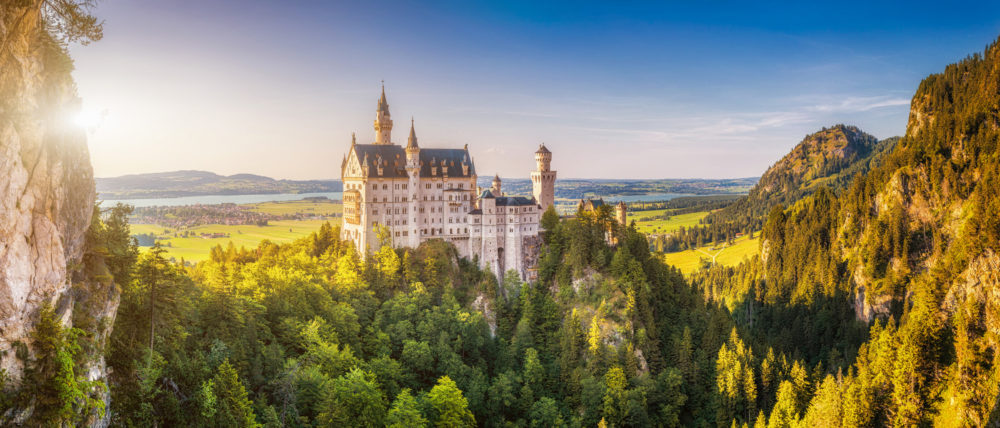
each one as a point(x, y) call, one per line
point(427, 186)
point(439, 185)
point(385, 187)
point(404, 186)
point(374, 186)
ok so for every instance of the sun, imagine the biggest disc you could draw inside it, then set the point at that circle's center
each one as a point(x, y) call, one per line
point(87, 119)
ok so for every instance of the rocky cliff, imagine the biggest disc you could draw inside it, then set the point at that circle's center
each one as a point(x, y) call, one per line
point(46, 195)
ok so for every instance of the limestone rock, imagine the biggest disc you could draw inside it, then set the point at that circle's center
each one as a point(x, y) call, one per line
point(46, 191)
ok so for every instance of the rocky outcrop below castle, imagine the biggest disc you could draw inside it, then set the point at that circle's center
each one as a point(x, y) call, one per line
point(46, 204)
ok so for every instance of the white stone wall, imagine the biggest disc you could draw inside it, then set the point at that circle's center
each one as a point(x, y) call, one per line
point(435, 208)
point(506, 228)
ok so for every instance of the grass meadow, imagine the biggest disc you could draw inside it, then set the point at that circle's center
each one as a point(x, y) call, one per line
point(194, 248)
point(657, 227)
point(690, 260)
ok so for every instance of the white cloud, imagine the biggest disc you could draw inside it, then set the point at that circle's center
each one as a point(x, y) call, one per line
point(859, 104)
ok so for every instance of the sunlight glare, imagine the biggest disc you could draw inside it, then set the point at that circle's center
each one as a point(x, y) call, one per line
point(88, 119)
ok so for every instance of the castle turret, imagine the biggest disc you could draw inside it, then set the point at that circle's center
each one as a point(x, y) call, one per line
point(383, 121)
point(543, 180)
point(412, 149)
point(621, 213)
point(495, 190)
point(413, 170)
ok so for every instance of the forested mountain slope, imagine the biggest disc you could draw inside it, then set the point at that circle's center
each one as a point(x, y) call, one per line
point(309, 334)
point(911, 244)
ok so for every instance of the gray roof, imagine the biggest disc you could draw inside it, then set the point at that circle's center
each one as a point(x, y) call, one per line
point(486, 194)
point(511, 201)
point(393, 158)
point(542, 149)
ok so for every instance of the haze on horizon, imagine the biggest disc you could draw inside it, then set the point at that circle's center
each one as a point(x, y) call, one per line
point(636, 90)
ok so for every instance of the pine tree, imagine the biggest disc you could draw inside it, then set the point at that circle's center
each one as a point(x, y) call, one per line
point(450, 408)
point(232, 407)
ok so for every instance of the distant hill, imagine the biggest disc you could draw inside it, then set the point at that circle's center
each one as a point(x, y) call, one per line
point(194, 183)
point(828, 158)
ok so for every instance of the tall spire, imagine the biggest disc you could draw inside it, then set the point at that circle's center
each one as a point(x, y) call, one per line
point(383, 105)
point(411, 143)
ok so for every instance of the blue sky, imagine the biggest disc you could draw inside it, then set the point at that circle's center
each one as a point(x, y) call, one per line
point(706, 89)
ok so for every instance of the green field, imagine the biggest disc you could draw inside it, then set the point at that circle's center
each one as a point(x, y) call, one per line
point(196, 248)
point(657, 227)
point(690, 260)
point(325, 208)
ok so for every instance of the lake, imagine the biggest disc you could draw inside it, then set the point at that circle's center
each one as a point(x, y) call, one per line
point(223, 199)
point(253, 199)
point(647, 198)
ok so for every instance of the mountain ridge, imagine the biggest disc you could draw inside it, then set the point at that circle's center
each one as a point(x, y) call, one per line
point(170, 184)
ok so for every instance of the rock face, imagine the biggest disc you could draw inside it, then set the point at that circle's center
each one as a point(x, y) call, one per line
point(46, 185)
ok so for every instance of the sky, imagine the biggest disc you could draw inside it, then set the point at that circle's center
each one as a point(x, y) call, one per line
point(624, 89)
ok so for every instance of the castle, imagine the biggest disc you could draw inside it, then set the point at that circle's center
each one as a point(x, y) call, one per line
point(420, 194)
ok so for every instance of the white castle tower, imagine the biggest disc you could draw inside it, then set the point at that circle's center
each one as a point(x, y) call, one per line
point(413, 171)
point(543, 180)
point(383, 122)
